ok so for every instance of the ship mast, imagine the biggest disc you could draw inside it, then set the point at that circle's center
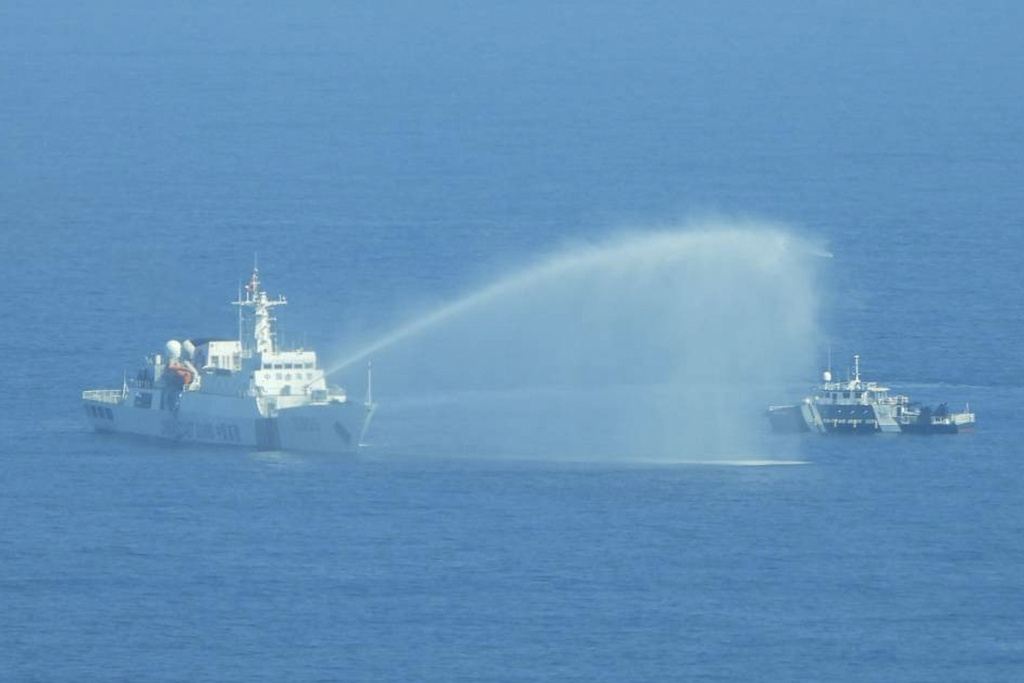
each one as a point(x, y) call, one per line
point(256, 331)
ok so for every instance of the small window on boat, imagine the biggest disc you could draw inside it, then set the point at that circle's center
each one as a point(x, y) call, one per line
point(288, 377)
point(109, 413)
point(277, 375)
point(144, 400)
point(846, 394)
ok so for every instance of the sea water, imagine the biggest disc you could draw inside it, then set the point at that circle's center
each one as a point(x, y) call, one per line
point(530, 523)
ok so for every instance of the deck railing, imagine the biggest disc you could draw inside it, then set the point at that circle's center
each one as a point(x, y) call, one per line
point(104, 395)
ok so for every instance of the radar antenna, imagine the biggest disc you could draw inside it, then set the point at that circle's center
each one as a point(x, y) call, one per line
point(256, 329)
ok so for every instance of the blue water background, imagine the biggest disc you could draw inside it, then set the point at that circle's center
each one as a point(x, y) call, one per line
point(381, 157)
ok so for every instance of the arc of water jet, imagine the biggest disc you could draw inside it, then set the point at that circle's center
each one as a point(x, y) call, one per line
point(653, 247)
point(446, 312)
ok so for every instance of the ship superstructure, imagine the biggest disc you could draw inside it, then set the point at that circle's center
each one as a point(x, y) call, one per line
point(246, 391)
point(859, 407)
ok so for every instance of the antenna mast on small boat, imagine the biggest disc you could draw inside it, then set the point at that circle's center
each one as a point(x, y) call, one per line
point(369, 382)
point(240, 312)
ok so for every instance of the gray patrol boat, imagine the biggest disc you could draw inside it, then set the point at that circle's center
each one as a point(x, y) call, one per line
point(859, 407)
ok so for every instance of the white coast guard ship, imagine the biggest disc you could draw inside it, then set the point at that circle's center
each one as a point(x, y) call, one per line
point(859, 407)
point(245, 392)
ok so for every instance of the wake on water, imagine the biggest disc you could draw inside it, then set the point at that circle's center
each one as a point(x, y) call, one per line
point(652, 346)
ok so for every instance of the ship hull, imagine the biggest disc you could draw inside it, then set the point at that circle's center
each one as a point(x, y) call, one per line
point(858, 421)
point(794, 419)
point(945, 428)
point(787, 419)
point(335, 427)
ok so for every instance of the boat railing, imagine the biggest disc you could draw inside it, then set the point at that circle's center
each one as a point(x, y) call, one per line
point(104, 395)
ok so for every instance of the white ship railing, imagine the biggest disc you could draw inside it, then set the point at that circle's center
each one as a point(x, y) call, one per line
point(104, 395)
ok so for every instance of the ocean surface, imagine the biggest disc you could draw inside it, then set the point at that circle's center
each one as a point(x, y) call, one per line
point(506, 521)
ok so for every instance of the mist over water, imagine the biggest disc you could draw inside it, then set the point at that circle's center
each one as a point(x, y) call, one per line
point(661, 345)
